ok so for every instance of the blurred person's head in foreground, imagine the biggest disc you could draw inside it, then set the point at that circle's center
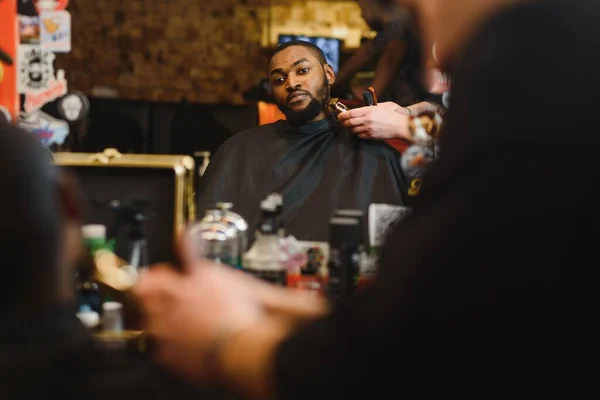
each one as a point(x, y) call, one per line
point(40, 239)
point(445, 26)
point(377, 13)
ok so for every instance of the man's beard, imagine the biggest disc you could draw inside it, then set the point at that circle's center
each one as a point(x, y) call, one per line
point(312, 110)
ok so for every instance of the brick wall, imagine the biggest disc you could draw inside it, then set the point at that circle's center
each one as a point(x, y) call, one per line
point(209, 51)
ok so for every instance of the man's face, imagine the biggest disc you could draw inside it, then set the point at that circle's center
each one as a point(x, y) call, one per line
point(300, 84)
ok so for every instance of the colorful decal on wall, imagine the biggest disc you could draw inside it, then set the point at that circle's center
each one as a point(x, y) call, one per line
point(9, 40)
point(56, 88)
point(50, 5)
point(49, 130)
point(29, 29)
point(36, 68)
point(36, 77)
point(56, 31)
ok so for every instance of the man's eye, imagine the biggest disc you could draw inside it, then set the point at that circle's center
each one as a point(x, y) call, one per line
point(303, 71)
point(278, 81)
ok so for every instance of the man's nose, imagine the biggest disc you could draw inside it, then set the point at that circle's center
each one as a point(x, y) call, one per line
point(293, 83)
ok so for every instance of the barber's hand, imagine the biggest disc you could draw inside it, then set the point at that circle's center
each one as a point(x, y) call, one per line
point(187, 312)
point(385, 121)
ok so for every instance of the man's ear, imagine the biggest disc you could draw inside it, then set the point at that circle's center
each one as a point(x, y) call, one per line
point(329, 74)
point(69, 194)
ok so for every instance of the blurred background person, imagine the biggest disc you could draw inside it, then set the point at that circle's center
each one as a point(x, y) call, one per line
point(396, 52)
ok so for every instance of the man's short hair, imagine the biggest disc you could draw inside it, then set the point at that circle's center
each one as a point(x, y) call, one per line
point(317, 52)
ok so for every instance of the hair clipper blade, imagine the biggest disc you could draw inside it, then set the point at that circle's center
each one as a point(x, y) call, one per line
point(336, 107)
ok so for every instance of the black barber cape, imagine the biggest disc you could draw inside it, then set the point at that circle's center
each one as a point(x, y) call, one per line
point(318, 168)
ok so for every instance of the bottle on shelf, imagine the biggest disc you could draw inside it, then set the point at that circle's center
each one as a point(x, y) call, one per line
point(297, 259)
point(345, 242)
point(278, 200)
point(365, 268)
point(359, 215)
point(266, 259)
point(134, 217)
point(221, 235)
point(87, 290)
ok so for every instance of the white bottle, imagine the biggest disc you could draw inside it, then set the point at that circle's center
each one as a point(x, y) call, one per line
point(266, 259)
point(277, 199)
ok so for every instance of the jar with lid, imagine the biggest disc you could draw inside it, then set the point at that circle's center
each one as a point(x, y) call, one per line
point(221, 235)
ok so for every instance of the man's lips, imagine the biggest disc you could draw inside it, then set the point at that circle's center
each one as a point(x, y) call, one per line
point(296, 96)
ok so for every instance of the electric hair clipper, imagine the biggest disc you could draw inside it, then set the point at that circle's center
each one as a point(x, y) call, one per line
point(336, 107)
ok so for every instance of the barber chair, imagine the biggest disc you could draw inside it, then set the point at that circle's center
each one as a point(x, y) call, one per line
point(268, 113)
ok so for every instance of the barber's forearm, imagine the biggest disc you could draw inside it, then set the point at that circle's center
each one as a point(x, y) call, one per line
point(247, 361)
point(388, 64)
point(386, 68)
point(362, 56)
point(382, 79)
